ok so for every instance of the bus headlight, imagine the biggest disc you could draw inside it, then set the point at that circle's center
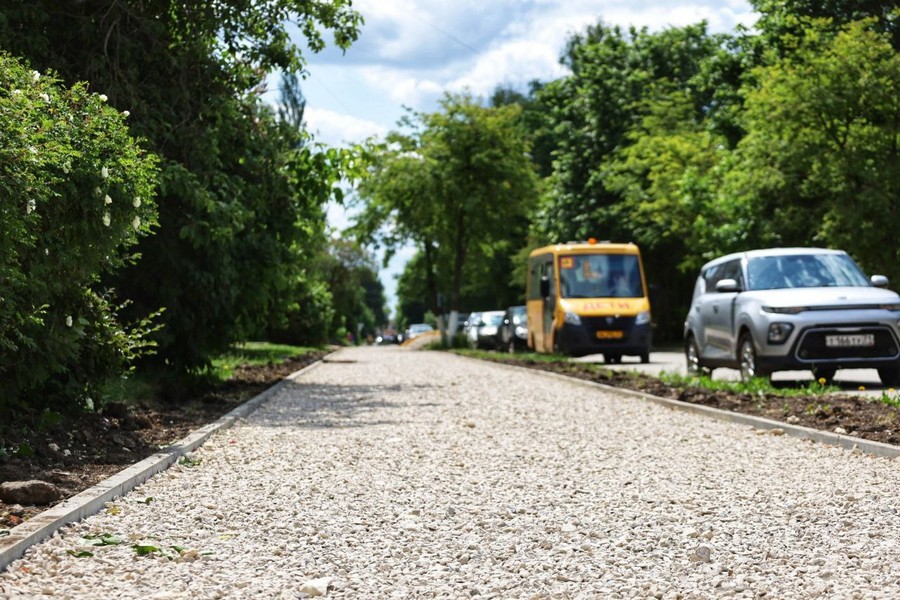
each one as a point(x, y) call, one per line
point(642, 318)
point(572, 318)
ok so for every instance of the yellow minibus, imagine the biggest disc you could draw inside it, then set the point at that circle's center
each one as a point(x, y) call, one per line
point(589, 298)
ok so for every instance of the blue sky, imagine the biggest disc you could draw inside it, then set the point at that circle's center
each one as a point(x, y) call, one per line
point(412, 51)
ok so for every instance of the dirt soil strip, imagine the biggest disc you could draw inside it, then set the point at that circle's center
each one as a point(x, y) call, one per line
point(93, 499)
point(761, 423)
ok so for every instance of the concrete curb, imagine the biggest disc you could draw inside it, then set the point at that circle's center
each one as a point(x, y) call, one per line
point(93, 499)
point(816, 435)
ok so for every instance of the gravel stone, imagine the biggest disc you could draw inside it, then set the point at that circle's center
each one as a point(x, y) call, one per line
point(398, 474)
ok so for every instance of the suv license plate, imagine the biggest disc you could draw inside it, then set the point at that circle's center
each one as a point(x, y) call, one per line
point(862, 340)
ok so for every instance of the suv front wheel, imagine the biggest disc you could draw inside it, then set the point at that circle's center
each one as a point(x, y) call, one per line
point(747, 359)
point(692, 357)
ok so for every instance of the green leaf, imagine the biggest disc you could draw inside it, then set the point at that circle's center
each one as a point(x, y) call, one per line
point(145, 550)
point(102, 539)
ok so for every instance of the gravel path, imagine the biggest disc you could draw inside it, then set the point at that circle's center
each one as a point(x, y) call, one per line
point(399, 474)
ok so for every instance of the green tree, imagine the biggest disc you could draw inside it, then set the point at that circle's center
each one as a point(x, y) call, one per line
point(820, 160)
point(455, 186)
point(784, 20)
point(350, 272)
point(594, 109)
point(241, 191)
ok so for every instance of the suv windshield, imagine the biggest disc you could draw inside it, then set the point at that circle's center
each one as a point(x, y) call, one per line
point(600, 276)
point(803, 271)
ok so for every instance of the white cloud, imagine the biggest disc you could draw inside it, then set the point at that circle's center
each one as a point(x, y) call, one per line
point(335, 129)
point(407, 88)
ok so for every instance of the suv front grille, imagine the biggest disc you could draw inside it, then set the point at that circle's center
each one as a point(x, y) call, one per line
point(812, 346)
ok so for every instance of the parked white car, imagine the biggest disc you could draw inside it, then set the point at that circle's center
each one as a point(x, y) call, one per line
point(792, 309)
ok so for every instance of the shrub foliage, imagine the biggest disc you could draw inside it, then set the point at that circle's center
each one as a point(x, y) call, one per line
point(76, 191)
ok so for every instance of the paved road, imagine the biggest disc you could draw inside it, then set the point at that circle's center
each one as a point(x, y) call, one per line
point(389, 473)
point(672, 361)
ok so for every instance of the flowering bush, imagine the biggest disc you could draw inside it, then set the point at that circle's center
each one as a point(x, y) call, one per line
point(75, 193)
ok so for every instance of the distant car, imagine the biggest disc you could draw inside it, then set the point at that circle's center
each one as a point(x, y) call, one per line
point(417, 329)
point(791, 309)
point(514, 330)
point(387, 338)
point(487, 334)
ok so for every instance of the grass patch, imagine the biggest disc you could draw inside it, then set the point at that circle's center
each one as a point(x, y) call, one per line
point(151, 385)
point(253, 354)
point(756, 386)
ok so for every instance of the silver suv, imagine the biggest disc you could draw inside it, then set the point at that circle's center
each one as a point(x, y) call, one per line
point(790, 309)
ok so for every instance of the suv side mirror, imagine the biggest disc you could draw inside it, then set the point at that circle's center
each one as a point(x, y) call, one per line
point(727, 285)
point(879, 281)
point(545, 287)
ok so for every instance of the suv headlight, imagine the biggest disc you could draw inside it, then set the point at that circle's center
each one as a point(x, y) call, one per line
point(572, 318)
point(779, 332)
point(642, 318)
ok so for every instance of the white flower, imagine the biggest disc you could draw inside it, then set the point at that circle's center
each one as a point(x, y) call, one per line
point(45, 97)
point(97, 191)
point(29, 208)
point(136, 202)
point(69, 321)
point(136, 223)
point(102, 97)
point(104, 172)
point(35, 76)
point(106, 219)
point(46, 251)
point(126, 114)
point(89, 404)
point(67, 166)
point(17, 92)
point(107, 200)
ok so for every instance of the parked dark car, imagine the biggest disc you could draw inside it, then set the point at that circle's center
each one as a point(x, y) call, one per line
point(514, 330)
point(487, 333)
point(387, 338)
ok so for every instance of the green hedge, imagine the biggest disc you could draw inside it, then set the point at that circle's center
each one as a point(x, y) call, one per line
point(75, 192)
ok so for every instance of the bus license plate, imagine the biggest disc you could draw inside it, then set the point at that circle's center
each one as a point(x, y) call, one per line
point(610, 335)
point(862, 340)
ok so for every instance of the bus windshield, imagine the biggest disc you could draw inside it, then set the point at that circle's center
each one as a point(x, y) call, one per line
point(600, 276)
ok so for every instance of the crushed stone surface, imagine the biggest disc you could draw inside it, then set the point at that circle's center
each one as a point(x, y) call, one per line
point(388, 473)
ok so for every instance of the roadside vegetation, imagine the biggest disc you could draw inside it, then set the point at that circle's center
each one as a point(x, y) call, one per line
point(155, 210)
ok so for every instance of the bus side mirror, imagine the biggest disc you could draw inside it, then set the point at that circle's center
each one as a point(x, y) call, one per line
point(545, 287)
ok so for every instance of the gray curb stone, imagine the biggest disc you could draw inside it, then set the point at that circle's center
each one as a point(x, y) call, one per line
point(93, 499)
point(816, 435)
